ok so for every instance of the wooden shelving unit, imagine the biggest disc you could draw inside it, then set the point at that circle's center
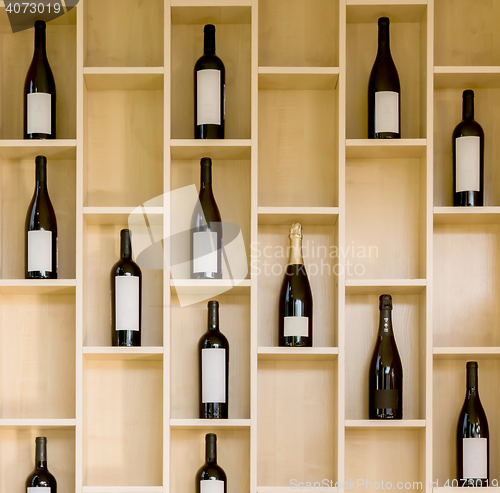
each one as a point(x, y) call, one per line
point(125, 420)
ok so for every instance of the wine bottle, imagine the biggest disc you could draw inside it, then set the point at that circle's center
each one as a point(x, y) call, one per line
point(468, 157)
point(211, 478)
point(40, 245)
point(209, 91)
point(213, 358)
point(295, 317)
point(384, 92)
point(40, 480)
point(386, 371)
point(206, 230)
point(126, 296)
point(473, 445)
point(39, 92)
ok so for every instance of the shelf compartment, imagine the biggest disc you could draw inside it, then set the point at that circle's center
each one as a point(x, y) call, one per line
point(297, 353)
point(28, 149)
point(122, 417)
point(466, 285)
point(187, 455)
point(279, 410)
point(361, 326)
point(409, 51)
point(188, 325)
point(298, 77)
point(385, 148)
point(232, 149)
point(212, 424)
point(399, 424)
point(106, 216)
point(17, 449)
point(321, 263)
point(123, 353)
point(383, 286)
point(307, 216)
point(466, 77)
point(466, 215)
point(122, 33)
point(37, 286)
point(467, 353)
point(449, 387)
point(233, 39)
point(123, 78)
point(38, 424)
point(313, 41)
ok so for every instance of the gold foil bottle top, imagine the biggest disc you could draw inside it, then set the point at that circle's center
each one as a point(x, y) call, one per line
point(295, 231)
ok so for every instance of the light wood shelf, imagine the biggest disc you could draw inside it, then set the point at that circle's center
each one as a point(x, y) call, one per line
point(210, 424)
point(122, 489)
point(400, 424)
point(380, 149)
point(124, 353)
point(41, 424)
point(467, 76)
point(380, 286)
point(216, 149)
point(123, 78)
point(466, 215)
point(307, 216)
point(466, 352)
point(37, 286)
point(51, 149)
point(298, 78)
point(297, 354)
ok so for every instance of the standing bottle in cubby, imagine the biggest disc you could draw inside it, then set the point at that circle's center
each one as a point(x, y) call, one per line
point(468, 157)
point(40, 92)
point(384, 91)
point(126, 296)
point(211, 478)
point(209, 91)
point(41, 480)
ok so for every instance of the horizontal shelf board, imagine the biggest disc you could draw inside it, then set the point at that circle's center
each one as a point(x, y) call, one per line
point(466, 352)
point(122, 489)
point(297, 353)
point(304, 215)
point(445, 489)
point(206, 286)
point(385, 148)
point(37, 423)
point(153, 353)
point(123, 78)
point(363, 11)
point(118, 215)
point(210, 3)
point(208, 12)
point(196, 424)
point(29, 149)
point(384, 286)
point(466, 215)
point(215, 149)
point(286, 489)
point(37, 286)
point(298, 77)
point(384, 424)
point(462, 77)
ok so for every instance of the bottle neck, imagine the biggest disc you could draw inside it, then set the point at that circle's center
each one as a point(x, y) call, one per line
point(125, 246)
point(385, 325)
point(40, 41)
point(206, 177)
point(383, 39)
point(468, 107)
point(296, 251)
point(41, 455)
point(211, 450)
point(472, 381)
point(209, 43)
point(41, 176)
point(213, 317)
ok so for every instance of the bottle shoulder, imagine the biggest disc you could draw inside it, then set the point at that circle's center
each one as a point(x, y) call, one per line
point(209, 62)
point(125, 267)
point(468, 128)
point(41, 477)
point(213, 339)
point(210, 472)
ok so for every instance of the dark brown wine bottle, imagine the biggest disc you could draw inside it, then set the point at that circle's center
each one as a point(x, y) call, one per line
point(211, 478)
point(41, 480)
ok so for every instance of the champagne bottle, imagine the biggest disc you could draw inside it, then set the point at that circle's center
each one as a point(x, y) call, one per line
point(468, 157)
point(211, 478)
point(206, 230)
point(41, 480)
point(295, 317)
point(209, 91)
point(126, 296)
point(39, 92)
point(386, 371)
point(213, 358)
point(40, 245)
point(473, 445)
point(384, 92)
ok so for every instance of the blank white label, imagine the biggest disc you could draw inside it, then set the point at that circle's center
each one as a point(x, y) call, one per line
point(213, 375)
point(468, 170)
point(212, 486)
point(38, 489)
point(386, 111)
point(296, 326)
point(208, 97)
point(127, 302)
point(39, 113)
point(475, 464)
point(205, 252)
point(39, 251)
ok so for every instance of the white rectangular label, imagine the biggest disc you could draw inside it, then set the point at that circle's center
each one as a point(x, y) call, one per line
point(467, 158)
point(386, 112)
point(127, 302)
point(39, 113)
point(208, 97)
point(212, 486)
point(38, 489)
point(205, 252)
point(213, 375)
point(39, 251)
point(296, 326)
point(475, 455)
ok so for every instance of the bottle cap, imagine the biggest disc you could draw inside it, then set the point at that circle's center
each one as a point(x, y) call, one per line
point(41, 440)
point(126, 233)
point(383, 21)
point(385, 302)
point(295, 231)
point(471, 364)
point(209, 28)
point(468, 93)
point(39, 24)
point(206, 161)
point(213, 304)
point(210, 436)
point(41, 160)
